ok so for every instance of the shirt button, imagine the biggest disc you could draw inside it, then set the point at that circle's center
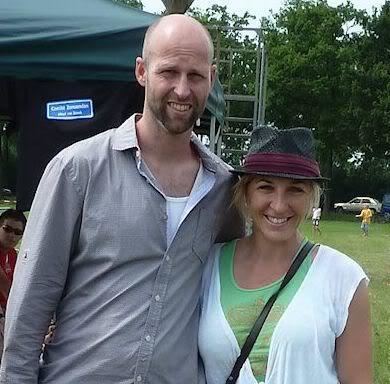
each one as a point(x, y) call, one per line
point(157, 297)
point(139, 378)
point(147, 338)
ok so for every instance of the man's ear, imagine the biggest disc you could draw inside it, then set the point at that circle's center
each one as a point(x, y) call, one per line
point(213, 75)
point(140, 71)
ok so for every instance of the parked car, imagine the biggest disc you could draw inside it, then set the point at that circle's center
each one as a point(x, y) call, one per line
point(385, 209)
point(357, 204)
point(5, 192)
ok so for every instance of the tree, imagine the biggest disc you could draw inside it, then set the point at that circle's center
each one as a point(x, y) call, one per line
point(329, 70)
point(131, 3)
point(312, 59)
point(371, 88)
point(371, 178)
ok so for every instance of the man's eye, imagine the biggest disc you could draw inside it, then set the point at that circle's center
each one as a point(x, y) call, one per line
point(196, 76)
point(167, 72)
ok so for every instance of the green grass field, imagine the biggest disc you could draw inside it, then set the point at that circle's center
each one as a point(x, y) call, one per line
point(373, 254)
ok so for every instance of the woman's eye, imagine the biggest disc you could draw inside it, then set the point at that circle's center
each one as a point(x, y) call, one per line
point(297, 190)
point(264, 187)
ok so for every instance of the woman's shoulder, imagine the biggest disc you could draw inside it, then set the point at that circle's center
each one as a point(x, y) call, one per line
point(335, 255)
point(339, 263)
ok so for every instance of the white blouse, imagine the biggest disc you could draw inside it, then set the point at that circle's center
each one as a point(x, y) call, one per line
point(302, 349)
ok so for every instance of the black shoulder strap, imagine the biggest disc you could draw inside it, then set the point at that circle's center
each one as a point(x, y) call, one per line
point(251, 339)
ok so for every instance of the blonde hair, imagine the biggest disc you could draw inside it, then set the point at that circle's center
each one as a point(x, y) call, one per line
point(241, 187)
point(239, 194)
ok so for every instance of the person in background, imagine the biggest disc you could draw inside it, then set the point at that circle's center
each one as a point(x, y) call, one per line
point(4, 288)
point(4, 285)
point(365, 215)
point(316, 216)
point(119, 232)
point(318, 330)
point(12, 224)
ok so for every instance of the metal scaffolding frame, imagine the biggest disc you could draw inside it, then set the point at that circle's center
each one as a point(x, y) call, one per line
point(219, 136)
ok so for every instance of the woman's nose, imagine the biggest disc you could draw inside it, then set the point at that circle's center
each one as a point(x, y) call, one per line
point(279, 202)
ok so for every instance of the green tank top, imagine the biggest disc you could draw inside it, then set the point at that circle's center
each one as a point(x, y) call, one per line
point(242, 306)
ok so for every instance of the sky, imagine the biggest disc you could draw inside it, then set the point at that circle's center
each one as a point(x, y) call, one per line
point(258, 8)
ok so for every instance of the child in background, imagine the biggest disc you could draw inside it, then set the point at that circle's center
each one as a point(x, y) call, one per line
point(12, 223)
point(366, 215)
point(316, 220)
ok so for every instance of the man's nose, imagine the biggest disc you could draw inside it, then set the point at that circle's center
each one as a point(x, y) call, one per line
point(182, 88)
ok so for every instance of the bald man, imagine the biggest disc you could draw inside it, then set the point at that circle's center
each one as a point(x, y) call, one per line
point(119, 232)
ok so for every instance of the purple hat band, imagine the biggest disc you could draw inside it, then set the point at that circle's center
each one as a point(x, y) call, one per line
point(281, 163)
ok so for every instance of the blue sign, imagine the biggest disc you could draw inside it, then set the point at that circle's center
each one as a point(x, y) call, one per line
point(70, 110)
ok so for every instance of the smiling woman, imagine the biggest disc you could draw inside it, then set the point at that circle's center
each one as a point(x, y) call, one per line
point(277, 206)
point(240, 191)
point(306, 338)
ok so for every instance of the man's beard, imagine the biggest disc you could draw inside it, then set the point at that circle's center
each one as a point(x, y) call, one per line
point(174, 126)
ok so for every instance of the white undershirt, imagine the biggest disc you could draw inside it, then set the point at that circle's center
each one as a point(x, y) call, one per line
point(179, 207)
point(175, 209)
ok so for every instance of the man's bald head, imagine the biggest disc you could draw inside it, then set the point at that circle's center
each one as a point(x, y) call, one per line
point(177, 73)
point(175, 24)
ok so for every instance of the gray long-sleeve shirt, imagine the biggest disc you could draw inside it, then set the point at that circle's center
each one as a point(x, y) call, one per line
point(95, 252)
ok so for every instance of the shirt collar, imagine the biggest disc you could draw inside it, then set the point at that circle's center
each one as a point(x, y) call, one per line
point(125, 137)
